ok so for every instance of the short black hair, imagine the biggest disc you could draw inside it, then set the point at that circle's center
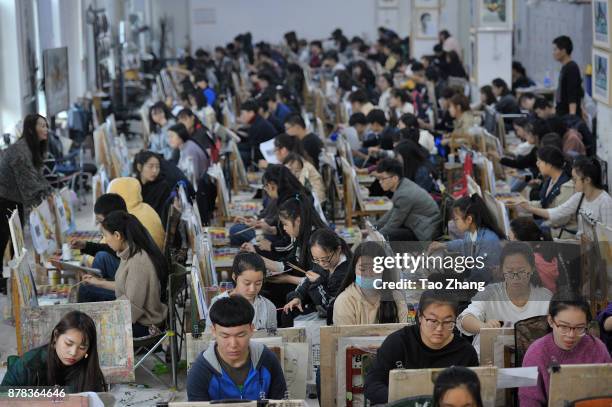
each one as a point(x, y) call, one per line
point(390, 166)
point(429, 297)
point(358, 96)
point(295, 120)
point(232, 311)
point(331, 55)
point(358, 118)
point(564, 42)
point(250, 105)
point(377, 116)
point(447, 93)
point(200, 76)
point(541, 103)
point(108, 203)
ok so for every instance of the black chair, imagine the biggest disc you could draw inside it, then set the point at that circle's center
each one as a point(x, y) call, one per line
point(526, 332)
point(150, 345)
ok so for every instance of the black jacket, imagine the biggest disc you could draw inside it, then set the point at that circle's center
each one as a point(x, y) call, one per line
point(156, 194)
point(324, 290)
point(92, 249)
point(313, 147)
point(404, 349)
point(259, 132)
point(523, 162)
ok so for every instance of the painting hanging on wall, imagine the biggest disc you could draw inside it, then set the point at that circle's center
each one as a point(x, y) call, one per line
point(55, 63)
point(495, 14)
point(601, 24)
point(426, 23)
point(601, 77)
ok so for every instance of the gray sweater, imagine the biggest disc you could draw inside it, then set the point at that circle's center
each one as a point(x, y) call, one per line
point(137, 282)
point(20, 181)
point(413, 208)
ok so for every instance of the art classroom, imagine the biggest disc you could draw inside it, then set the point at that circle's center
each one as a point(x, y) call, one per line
point(320, 203)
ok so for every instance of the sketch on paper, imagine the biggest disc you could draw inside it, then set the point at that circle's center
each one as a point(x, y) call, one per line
point(25, 281)
point(16, 234)
point(55, 62)
point(113, 321)
point(601, 23)
point(495, 13)
point(601, 72)
point(427, 21)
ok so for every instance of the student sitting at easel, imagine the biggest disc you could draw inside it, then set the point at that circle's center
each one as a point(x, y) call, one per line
point(248, 273)
point(299, 220)
point(69, 359)
point(331, 257)
point(569, 343)
point(428, 344)
point(142, 274)
point(105, 258)
point(235, 367)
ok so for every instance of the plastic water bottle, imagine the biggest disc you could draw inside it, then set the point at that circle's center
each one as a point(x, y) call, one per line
point(547, 80)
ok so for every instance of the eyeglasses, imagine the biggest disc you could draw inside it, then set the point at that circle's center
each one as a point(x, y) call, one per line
point(566, 329)
point(324, 260)
point(381, 179)
point(516, 275)
point(434, 324)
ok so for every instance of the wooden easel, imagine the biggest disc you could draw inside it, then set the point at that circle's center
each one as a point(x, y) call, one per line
point(329, 350)
point(419, 382)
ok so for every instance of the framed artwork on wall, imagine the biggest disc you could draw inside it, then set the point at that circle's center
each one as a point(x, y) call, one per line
point(601, 77)
point(426, 23)
point(601, 24)
point(495, 14)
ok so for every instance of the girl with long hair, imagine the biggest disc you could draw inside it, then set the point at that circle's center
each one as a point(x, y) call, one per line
point(22, 183)
point(331, 257)
point(481, 237)
point(358, 302)
point(142, 275)
point(70, 359)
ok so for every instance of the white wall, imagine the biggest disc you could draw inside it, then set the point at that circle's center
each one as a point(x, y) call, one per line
point(179, 23)
point(268, 20)
point(10, 85)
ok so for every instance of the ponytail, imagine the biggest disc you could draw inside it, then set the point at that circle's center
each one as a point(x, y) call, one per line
point(298, 207)
point(475, 207)
point(138, 239)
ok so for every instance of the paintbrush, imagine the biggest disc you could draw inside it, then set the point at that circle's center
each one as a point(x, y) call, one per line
point(293, 266)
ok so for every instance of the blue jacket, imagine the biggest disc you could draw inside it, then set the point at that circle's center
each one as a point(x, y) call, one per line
point(487, 245)
point(207, 381)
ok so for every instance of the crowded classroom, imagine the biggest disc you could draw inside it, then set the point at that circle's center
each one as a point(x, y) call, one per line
point(270, 204)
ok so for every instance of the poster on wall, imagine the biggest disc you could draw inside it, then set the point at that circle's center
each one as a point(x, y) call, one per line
point(601, 77)
point(495, 14)
point(601, 24)
point(55, 62)
point(426, 23)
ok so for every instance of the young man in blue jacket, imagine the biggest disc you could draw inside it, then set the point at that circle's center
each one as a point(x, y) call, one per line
point(234, 367)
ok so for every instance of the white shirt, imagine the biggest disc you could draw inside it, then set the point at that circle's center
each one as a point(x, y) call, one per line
point(524, 148)
point(494, 304)
point(265, 312)
point(599, 209)
point(427, 141)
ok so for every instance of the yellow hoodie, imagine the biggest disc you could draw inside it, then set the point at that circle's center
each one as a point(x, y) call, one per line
point(129, 189)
